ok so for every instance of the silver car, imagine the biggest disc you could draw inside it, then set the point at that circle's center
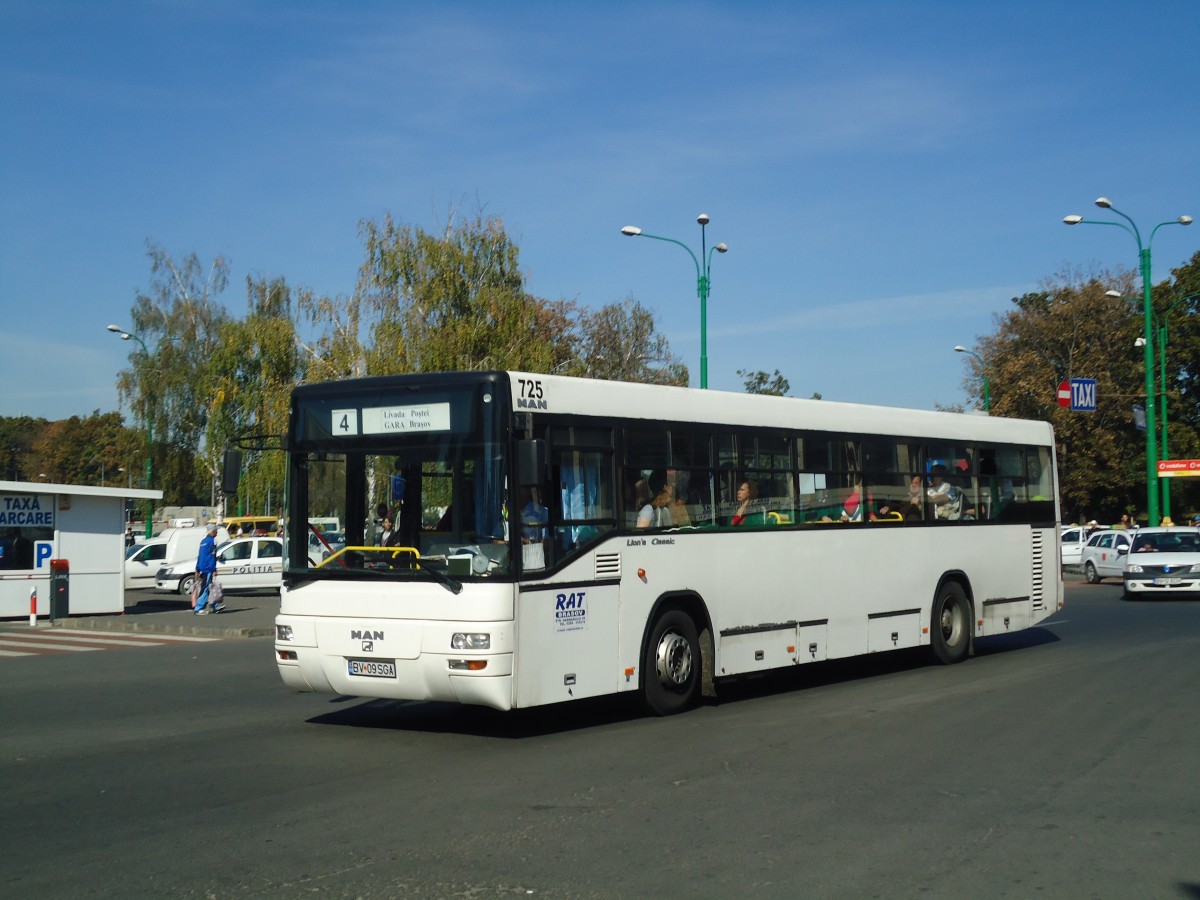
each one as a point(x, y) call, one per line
point(1163, 563)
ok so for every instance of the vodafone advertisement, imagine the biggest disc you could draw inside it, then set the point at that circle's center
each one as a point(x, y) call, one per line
point(1179, 468)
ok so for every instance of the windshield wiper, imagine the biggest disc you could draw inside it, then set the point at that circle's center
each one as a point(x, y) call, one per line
point(454, 587)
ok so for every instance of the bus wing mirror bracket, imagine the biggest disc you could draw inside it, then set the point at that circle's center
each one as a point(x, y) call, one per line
point(231, 471)
point(531, 462)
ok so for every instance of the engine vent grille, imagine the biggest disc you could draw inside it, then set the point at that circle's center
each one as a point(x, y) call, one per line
point(608, 565)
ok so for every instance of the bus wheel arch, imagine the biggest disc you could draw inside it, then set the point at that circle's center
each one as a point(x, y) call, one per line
point(951, 623)
point(676, 659)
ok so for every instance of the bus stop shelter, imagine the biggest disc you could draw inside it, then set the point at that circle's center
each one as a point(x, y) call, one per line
point(81, 528)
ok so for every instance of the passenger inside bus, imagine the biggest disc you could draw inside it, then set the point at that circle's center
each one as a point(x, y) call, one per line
point(746, 512)
point(909, 509)
point(656, 512)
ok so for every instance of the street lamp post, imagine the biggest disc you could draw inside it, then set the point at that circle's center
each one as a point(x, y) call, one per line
point(987, 391)
point(703, 268)
point(1147, 328)
point(125, 336)
point(1161, 330)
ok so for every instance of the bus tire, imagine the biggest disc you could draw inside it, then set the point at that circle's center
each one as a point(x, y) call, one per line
point(186, 582)
point(671, 664)
point(950, 630)
point(1090, 573)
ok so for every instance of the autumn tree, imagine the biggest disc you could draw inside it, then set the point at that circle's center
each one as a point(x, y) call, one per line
point(87, 450)
point(619, 342)
point(176, 327)
point(1073, 328)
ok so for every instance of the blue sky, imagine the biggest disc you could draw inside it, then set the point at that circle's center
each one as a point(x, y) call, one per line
point(887, 175)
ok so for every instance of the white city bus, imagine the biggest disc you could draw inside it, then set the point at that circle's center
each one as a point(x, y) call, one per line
point(557, 538)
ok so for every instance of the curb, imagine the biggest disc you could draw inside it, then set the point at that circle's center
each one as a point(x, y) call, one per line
point(138, 627)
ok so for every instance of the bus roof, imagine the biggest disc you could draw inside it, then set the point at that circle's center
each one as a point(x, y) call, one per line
point(549, 394)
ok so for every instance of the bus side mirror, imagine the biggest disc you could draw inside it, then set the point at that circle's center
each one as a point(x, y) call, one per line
point(231, 471)
point(531, 462)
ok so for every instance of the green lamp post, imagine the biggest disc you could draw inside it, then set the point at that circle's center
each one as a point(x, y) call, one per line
point(703, 268)
point(1161, 331)
point(987, 390)
point(126, 336)
point(1152, 508)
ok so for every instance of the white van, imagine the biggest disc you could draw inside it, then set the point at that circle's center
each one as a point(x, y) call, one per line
point(142, 565)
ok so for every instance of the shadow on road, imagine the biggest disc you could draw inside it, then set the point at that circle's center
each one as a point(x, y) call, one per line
point(406, 715)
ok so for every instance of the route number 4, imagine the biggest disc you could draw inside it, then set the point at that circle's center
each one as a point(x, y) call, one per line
point(345, 422)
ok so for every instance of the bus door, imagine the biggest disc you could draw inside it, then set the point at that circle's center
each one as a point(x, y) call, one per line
point(568, 596)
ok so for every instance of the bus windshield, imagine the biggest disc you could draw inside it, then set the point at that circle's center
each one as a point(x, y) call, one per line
point(418, 476)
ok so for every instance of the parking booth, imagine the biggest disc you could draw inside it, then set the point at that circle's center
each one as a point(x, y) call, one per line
point(44, 523)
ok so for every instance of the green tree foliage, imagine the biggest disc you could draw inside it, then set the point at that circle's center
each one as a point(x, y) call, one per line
point(456, 301)
point(17, 435)
point(252, 372)
point(440, 302)
point(761, 383)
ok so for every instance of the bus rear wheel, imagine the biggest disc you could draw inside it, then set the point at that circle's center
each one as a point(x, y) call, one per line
point(671, 664)
point(950, 630)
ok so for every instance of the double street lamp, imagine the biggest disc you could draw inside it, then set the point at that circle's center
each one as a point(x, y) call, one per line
point(703, 267)
point(1148, 335)
point(987, 391)
point(127, 336)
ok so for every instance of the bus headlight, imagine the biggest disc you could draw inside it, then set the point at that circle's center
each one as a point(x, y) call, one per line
point(471, 640)
point(283, 632)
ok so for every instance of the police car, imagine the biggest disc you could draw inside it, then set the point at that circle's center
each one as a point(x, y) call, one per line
point(243, 564)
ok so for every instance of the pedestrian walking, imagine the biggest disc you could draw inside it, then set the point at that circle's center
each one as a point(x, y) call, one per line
point(206, 570)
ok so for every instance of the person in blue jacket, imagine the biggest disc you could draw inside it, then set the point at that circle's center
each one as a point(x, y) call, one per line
point(206, 568)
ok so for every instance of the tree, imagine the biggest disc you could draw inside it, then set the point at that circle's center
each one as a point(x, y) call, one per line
point(253, 370)
point(17, 436)
point(87, 450)
point(619, 342)
point(456, 301)
point(761, 383)
point(1073, 329)
point(169, 383)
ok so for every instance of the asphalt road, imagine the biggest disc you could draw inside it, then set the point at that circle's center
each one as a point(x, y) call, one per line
point(1056, 763)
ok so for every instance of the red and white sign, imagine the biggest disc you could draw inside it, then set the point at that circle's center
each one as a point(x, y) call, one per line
point(1179, 468)
point(1064, 394)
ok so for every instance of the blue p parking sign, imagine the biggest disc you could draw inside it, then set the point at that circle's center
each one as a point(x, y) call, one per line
point(1083, 394)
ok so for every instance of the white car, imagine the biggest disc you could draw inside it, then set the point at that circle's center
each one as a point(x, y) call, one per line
point(1073, 538)
point(243, 564)
point(1163, 563)
point(1104, 555)
point(142, 562)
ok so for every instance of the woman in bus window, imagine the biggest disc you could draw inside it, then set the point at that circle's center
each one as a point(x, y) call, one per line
point(745, 514)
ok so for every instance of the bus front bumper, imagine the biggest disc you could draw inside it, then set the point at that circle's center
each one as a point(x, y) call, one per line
point(394, 660)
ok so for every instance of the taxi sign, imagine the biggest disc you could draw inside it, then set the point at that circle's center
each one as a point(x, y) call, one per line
point(1078, 394)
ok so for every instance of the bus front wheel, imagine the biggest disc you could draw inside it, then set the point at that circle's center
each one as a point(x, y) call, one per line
point(950, 631)
point(671, 664)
